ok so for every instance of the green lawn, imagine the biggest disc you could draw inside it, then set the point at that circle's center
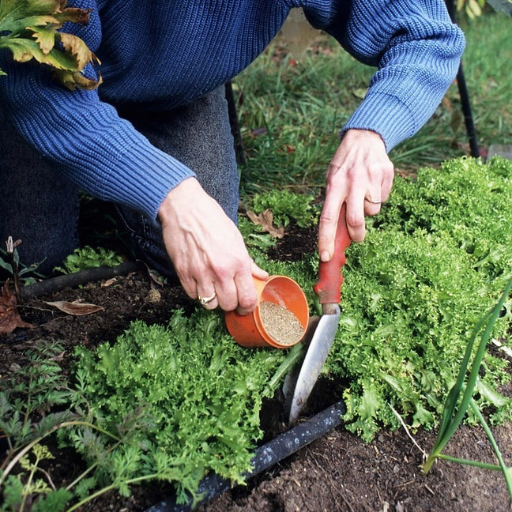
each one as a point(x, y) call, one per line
point(291, 113)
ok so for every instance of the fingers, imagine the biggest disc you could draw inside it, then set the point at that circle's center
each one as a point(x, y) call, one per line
point(208, 251)
point(236, 292)
point(215, 285)
point(258, 272)
point(329, 219)
point(228, 287)
point(208, 301)
point(360, 175)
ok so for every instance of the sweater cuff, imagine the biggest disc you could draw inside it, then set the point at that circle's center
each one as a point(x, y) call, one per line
point(149, 175)
point(386, 115)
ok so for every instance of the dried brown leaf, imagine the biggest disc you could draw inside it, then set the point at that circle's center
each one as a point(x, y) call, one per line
point(76, 308)
point(9, 316)
point(109, 282)
point(266, 221)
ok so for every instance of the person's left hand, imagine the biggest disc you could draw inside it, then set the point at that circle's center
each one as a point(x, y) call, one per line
point(360, 175)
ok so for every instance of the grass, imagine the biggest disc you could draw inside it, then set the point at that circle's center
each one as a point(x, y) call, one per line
point(487, 64)
point(291, 113)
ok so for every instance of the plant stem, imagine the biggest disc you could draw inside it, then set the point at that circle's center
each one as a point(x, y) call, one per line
point(91, 467)
point(450, 423)
point(27, 448)
point(295, 354)
point(11, 247)
point(481, 465)
point(27, 485)
point(494, 445)
point(110, 488)
point(81, 476)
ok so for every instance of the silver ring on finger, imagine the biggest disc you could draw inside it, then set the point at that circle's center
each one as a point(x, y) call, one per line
point(372, 202)
point(204, 301)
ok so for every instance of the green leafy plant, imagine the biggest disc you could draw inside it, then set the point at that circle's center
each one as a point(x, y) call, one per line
point(10, 261)
point(30, 30)
point(287, 206)
point(256, 241)
point(89, 257)
point(34, 404)
point(435, 256)
point(461, 396)
point(39, 402)
point(202, 392)
point(18, 492)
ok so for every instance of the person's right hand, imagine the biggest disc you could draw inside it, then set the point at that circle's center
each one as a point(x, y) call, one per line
point(207, 250)
point(360, 175)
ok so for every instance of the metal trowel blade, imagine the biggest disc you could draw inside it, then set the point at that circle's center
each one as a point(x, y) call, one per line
point(300, 382)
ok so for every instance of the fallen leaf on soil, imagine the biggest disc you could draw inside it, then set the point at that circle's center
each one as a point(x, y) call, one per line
point(9, 316)
point(109, 282)
point(266, 221)
point(76, 308)
point(406, 174)
point(58, 358)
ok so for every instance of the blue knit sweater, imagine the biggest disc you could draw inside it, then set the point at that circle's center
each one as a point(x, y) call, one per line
point(163, 54)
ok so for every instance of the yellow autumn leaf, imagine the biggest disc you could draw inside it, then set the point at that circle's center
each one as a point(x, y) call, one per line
point(44, 38)
point(75, 80)
point(266, 221)
point(29, 29)
point(75, 46)
point(24, 50)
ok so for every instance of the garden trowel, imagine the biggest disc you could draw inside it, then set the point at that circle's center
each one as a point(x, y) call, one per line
point(321, 330)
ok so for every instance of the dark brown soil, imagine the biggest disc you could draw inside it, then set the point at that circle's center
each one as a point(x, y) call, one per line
point(338, 472)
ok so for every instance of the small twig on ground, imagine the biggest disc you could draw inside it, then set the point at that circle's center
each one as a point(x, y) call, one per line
point(48, 478)
point(408, 433)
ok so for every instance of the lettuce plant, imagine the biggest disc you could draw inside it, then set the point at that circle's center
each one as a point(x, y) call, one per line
point(432, 263)
point(200, 392)
point(287, 206)
point(89, 257)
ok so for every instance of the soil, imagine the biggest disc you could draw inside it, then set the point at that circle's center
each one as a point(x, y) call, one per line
point(338, 472)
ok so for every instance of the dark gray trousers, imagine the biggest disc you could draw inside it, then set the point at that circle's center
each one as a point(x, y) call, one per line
point(40, 206)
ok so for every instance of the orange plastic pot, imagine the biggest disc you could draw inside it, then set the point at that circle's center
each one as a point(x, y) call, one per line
point(249, 331)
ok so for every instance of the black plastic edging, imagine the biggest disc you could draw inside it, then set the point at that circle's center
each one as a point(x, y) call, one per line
point(266, 456)
point(58, 283)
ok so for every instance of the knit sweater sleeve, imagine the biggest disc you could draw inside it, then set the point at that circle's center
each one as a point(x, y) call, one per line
point(86, 139)
point(416, 49)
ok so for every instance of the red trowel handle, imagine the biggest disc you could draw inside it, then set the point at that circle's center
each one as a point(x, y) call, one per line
point(328, 287)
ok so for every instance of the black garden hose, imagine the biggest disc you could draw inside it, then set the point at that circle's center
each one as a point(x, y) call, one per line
point(265, 457)
point(58, 283)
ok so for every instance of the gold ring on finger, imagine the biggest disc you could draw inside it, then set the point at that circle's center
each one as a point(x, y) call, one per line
point(206, 300)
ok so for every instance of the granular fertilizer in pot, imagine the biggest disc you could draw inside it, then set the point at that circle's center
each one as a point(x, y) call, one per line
point(280, 323)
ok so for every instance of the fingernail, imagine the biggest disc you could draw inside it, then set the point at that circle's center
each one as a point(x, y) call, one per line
point(325, 256)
